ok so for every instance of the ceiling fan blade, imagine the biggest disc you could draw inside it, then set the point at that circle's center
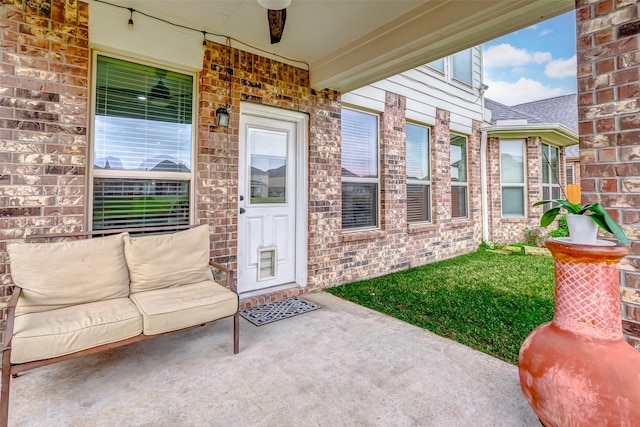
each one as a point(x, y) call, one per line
point(276, 18)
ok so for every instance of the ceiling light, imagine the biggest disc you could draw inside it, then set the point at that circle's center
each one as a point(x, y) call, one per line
point(274, 4)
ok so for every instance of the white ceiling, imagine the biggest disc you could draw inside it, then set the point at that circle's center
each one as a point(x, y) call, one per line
point(351, 43)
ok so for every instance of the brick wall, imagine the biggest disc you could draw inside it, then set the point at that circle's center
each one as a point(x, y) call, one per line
point(609, 123)
point(43, 118)
point(43, 145)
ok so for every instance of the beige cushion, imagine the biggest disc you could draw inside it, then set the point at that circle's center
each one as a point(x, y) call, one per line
point(165, 260)
point(168, 309)
point(67, 330)
point(60, 274)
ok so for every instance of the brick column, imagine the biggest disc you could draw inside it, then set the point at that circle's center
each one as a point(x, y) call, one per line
point(609, 125)
point(393, 169)
point(441, 173)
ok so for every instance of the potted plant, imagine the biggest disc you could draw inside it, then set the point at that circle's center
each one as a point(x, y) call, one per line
point(582, 220)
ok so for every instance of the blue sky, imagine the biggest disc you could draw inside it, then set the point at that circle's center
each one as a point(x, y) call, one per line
point(537, 62)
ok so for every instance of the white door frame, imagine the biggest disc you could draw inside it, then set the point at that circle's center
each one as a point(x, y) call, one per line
point(301, 121)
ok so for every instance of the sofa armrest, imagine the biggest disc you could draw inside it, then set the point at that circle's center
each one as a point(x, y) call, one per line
point(231, 278)
point(10, 313)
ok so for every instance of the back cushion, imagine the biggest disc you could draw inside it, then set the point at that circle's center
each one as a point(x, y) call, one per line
point(165, 260)
point(61, 274)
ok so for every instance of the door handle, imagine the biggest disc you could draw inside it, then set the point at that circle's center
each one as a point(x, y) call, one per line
point(242, 210)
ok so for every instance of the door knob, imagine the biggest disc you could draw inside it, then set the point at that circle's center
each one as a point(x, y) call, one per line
point(242, 210)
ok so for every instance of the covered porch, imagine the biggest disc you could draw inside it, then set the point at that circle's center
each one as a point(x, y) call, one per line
point(341, 365)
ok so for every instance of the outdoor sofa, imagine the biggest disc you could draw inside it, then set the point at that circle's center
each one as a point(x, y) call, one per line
point(77, 297)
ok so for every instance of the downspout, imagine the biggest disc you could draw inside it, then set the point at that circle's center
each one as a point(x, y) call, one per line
point(483, 184)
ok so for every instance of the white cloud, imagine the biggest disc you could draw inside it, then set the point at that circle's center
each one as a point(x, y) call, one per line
point(524, 90)
point(541, 57)
point(532, 27)
point(545, 33)
point(506, 55)
point(560, 68)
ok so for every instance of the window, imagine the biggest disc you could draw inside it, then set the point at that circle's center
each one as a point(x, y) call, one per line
point(418, 176)
point(462, 67)
point(458, 159)
point(550, 172)
point(569, 172)
point(512, 178)
point(437, 65)
point(359, 169)
point(142, 145)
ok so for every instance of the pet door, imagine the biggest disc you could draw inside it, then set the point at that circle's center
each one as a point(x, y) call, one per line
point(267, 262)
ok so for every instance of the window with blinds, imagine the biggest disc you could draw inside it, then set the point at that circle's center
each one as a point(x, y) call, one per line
point(458, 168)
point(512, 178)
point(418, 174)
point(360, 178)
point(142, 145)
point(550, 174)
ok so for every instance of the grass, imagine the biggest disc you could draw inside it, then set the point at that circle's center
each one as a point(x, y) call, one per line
point(487, 301)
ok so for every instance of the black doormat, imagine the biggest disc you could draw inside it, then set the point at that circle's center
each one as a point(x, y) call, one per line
point(272, 312)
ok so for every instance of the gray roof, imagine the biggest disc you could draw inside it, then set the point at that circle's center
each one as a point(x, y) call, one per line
point(561, 110)
point(503, 112)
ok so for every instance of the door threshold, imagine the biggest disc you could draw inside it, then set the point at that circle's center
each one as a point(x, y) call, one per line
point(269, 290)
point(269, 295)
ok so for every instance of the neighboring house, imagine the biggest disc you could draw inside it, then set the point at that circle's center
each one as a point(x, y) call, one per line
point(564, 110)
point(526, 162)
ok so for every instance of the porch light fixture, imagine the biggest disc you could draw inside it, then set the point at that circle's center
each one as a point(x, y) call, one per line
point(222, 116)
point(130, 23)
point(274, 4)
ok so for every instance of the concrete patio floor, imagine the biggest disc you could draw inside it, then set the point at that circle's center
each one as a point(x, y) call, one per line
point(342, 365)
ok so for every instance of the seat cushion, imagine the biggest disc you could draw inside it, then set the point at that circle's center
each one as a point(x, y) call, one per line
point(67, 330)
point(168, 309)
point(59, 274)
point(164, 260)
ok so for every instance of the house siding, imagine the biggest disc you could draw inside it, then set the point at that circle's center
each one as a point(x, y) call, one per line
point(608, 79)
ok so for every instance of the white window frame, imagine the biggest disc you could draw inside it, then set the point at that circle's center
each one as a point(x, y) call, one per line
point(359, 180)
point(466, 182)
point(426, 183)
point(515, 185)
point(572, 174)
point(133, 174)
point(547, 164)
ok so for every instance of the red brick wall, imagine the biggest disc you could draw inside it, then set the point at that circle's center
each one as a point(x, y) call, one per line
point(43, 118)
point(609, 123)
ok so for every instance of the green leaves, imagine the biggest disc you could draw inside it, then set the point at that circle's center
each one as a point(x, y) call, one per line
point(594, 210)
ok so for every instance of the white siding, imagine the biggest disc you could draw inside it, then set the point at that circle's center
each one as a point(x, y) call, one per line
point(426, 90)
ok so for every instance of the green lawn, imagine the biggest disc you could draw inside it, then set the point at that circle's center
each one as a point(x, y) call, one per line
point(487, 301)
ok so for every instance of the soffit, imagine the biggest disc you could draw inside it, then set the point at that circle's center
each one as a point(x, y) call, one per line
point(351, 43)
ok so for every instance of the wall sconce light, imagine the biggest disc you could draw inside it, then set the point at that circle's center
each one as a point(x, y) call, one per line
point(222, 116)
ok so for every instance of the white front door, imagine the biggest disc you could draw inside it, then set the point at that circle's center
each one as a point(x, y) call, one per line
point(267, 196)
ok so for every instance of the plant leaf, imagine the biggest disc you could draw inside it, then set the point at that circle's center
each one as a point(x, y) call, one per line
point(549, 216)
point(604, 220)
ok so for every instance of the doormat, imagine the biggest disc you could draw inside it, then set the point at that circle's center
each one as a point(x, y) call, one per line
point(272, 312)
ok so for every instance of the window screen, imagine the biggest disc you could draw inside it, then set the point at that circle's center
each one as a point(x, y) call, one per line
point(418, 174)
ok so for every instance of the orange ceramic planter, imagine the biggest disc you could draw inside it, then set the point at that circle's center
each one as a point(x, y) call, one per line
point(578, 370)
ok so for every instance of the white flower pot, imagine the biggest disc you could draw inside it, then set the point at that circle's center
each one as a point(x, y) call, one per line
point(582, 229)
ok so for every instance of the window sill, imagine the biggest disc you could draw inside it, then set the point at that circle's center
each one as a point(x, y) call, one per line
point(421, 228)
point(514, 220)
point(460, 223)
point(354, 236)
